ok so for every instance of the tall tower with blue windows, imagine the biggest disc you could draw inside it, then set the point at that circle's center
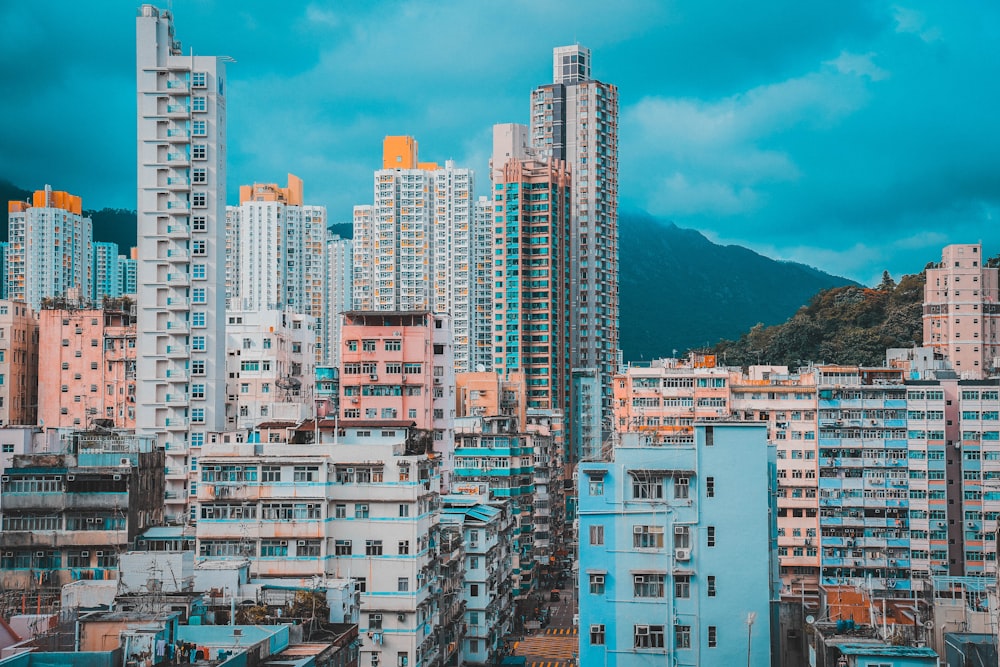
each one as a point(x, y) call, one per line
point(531, 216)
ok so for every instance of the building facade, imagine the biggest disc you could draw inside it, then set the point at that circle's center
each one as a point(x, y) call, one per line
point(89, 375)
point(339, 294)
point(575, 119)
point(18, 364)
point(181, 245)
point(107, 282)
point(660, 528)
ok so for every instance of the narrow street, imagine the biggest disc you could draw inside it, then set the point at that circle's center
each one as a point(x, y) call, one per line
point(554, 645)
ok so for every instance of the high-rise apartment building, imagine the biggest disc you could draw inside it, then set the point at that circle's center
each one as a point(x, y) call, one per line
point(531, 271)
point(413, 246)
point(575, 119)
point(962, 310)
point(339, 294)
point(107, 281)
point(50, 249)
point(181, 245)
point(3, 269)
point(276, 252)
point(481, 343)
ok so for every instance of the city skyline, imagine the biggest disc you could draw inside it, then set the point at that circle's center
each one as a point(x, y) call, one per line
point(853, 141)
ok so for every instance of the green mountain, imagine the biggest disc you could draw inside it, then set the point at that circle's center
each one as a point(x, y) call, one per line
point(846, 325)
point(679, 291)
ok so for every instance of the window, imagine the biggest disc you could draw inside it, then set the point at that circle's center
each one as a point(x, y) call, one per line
point(651, 636)
point(597, 535)
point(711, 585)
point(373, 547)
point(199, 199)
point(709, 487)
point(682, 636)
point(198, 271)
point(597, 487)
point(343, 548)
point(306, 474)
point(403, 547)
point(374, 621)
point(361, 511)
point(403, 584)
point(647, 537)
point(404, 510)
point(644, 488)
point(597, 635)
point(198, 343)
point(394, 345)
point(198, 415)
point(652, 585)
point(199, 103)
point(713, 636)
point(198, 319)
point(199, 295)
point(597, 584)
point(199, 223)
point(199, 248)
point(199, 175)
point(199, 128)
point(199, 152)
point(340, 511)
point(682, 537)
point(270, 473)
point(711, 536)
point(199, 80)
point(681, 487)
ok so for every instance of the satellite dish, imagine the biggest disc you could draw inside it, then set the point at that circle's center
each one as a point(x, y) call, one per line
point(810, 619)
point(929, 625)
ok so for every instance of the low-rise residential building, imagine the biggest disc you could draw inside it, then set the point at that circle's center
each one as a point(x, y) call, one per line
point(67, 515)
point(488, 591)
point(661, 526)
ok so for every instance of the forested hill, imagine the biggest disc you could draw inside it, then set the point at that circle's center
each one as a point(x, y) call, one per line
point(843, 325)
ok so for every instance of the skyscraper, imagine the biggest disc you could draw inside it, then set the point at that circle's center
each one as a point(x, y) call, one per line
point(413, 247)
point(575, 119)
point(181, 337)
point(276, 249)
point(50, 248)
point(339, 293)
point(531, 274)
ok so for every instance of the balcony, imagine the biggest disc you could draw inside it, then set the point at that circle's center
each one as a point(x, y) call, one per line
point(176, 424)
point(178, 136)
point(178, 159)
point(178, 231)
point(178, 303)
point(177, 399)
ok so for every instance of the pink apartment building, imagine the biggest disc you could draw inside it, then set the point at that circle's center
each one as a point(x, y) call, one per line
point(961, 311)
point(89, 368)
point(400, 366)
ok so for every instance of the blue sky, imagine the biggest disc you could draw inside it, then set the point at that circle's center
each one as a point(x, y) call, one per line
point(851, 136)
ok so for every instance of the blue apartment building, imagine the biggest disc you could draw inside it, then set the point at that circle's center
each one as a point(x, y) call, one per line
point(678, 550)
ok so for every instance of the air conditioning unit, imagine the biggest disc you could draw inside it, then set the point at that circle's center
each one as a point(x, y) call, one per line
point(83, 554)
point(637, 530)
point(641, 630)
point(350, 471)
point(70, 478)
point(401, 617)
point(808, 542)
point(682, 554)
point(91, 520)
point(300, 543)
point(5, 478)
point(41, 554)
point(125, 462)
point(598, 579)
point(680, 530)
point(98, 553)
point(8, 554)
point(283, 543)
point(373, 376)
point(117, 478)
point(595, 629)
point(972, 524)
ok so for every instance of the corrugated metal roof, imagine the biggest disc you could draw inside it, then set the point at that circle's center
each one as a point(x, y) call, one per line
point(851, 648)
